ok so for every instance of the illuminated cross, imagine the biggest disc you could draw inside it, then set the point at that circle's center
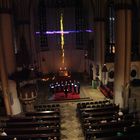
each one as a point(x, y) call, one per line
point(62, 40)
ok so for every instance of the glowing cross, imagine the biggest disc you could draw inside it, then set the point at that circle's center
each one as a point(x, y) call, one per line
point(62, 39)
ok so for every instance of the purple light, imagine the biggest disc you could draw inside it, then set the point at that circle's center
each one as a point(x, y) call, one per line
point(37, 32)
point(89, 31)
point(60, 32)
point(49, 32)
point(64, 32)
point(72, 31)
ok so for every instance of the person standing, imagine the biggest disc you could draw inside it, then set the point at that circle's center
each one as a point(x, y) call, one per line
point(78, 87)
point(66, 91)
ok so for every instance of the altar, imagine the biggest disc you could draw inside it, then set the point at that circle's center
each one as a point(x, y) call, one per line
point(63, 72)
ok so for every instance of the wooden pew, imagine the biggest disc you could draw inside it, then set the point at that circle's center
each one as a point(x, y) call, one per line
point(98, 114)
point(32, 136)
point(134, 128)
point(86, 104)
point(33, 118)
point(42, 113)
point(108, 125)
point(32, 124)
point(98, 119)
point(32, 130)
point(105, 108)
point(102, 133)
point(123, 137)
point(89, 134)
point(44, 107)
point(102, 121)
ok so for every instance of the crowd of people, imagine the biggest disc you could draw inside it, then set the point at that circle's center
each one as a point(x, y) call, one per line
point(66, 86)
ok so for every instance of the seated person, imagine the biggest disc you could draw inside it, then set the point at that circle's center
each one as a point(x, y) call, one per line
point(2, 133)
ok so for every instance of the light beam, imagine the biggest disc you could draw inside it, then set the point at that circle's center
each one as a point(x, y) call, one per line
point(62, 40)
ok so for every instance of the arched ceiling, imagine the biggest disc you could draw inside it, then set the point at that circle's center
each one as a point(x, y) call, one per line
point(60, 3)
point(22, 7)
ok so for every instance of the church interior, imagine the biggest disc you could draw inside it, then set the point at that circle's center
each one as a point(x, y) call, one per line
point(69, 69)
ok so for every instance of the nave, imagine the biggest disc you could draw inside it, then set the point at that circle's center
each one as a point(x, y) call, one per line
point(69, 121)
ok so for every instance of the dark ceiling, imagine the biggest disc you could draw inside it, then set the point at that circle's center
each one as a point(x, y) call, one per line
point(62, 3)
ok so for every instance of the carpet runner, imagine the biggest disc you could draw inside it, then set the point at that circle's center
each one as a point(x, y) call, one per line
point(61, 96)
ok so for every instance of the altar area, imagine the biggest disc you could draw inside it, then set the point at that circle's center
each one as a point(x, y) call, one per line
point(63, 72)
point(64, 86)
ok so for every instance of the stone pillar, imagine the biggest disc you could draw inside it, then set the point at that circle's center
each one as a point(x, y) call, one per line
point(99, 45)
point(138, 27)
point(7, 35)
point(23, 32)
point(15, 103)
point(4, 80)
point(34, 49)
point(122, 55)
point(7, 59)
point(139, 36)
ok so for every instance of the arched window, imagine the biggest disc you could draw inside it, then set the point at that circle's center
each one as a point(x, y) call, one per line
point(80, 24)
point(135, 33)
point(110, 31)
point(110, 37)
point(42, 25)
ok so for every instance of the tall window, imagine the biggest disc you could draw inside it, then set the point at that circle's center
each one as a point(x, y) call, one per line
point(80, 25)
point(135, 34)
point(75, 24)
point(110, 47)
point(42, 25)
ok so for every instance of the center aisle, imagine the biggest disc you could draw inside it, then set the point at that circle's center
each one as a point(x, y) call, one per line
point(70, 125)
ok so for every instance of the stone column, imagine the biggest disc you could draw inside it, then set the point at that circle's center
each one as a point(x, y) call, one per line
point(15, 103)
point(23, 32)
point(139, 36)
point(4, 80)
point(122, 55)
point(99, 45)
point(34, 49)
point(7, 58)
point(138, 27)
point(99, 7)
point(7, 35)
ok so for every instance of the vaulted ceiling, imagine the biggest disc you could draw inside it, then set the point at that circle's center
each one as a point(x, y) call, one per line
point(60, 3)
point(22, 7)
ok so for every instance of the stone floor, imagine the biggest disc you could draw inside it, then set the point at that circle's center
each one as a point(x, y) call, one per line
point(71, 128)
point(70, 125)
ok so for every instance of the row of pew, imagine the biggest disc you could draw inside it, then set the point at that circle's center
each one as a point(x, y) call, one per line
point(107, 92)
point(103, 120)
point(44, 107)
point(37, 125)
